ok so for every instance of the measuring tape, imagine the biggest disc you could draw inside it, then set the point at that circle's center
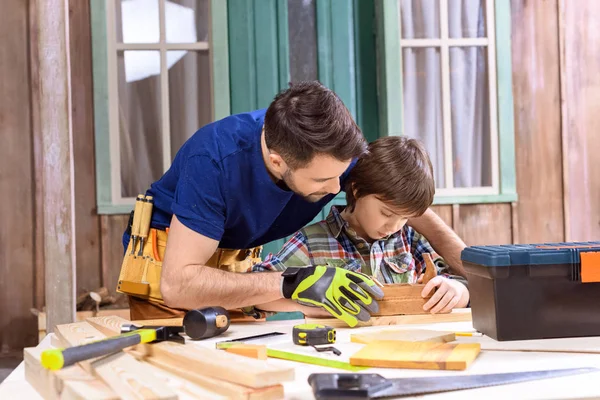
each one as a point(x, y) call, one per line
point(313, 334)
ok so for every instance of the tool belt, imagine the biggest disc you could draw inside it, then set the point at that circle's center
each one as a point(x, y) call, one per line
point(142, 263)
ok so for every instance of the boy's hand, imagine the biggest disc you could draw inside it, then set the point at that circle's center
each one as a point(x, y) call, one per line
point(346, 295)
point(449, 294)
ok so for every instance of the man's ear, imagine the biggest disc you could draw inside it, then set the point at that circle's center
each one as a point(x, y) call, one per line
point(277, 162)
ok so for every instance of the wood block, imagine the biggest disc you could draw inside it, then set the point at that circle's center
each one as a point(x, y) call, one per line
point(68, 383)
point(402, 299)
point(249, 350)
point(457, 315)
point(405, 335)
point(416, 355)
point(109, 325)
point(185, 389)
point(221, 365)
point(160, 322)
point(76, 334)
point(430, 269)
point(130, 378)
point(228, 389)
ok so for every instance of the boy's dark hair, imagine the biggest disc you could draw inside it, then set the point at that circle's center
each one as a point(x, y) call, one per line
point(398, 171)
point(309, 119)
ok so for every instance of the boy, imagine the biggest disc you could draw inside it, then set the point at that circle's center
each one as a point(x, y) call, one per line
point(390, 184)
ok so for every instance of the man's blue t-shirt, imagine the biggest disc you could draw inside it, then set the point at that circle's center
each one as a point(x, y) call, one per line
point(218, 186)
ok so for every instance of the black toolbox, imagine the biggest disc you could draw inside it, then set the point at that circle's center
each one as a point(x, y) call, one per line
point(534, 291)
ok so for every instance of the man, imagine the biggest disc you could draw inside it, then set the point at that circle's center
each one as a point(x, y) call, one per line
point(244, 181)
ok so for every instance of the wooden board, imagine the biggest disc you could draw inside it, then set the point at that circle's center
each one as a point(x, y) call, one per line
point(537, 121)
point(476, 220)
point(130, 378)
point(87, 221)
point(69, 383)
point(228, 389)
point(109, 325)
point(17, 246)
point(111, 229)
point(404, 335)
point(249, 350)
point(580, 60)
point(402, 299)
point(221, 365)
point(416, 355)
point(457, 315)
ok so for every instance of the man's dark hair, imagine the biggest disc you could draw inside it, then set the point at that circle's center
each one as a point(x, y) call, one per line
point(309, 119)
point(398, 171)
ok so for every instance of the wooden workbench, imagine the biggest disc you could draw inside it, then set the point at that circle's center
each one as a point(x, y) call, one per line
point(583, 386)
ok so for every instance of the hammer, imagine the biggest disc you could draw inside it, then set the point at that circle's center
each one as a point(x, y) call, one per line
point(197, 324)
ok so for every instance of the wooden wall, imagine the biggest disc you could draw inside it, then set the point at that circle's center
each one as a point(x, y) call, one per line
point(556, 85)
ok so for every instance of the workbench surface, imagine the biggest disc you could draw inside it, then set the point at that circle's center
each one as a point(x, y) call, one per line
point(584, 386)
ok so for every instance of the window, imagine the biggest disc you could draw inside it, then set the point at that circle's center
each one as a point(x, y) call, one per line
point(160, 72)
point(445, 79)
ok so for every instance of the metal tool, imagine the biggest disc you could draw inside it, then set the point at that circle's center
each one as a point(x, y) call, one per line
point(374, 386)
point(197, 324)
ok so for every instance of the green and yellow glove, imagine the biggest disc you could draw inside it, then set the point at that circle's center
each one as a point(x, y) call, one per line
point(347, 295)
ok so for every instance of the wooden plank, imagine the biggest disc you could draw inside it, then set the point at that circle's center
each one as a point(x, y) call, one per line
point(83, 315)
point(536, 87)
point(444, 212)
point(17, 246)
point(481, 224)
point(589, 345)
point(580, 62)
point(109, 325)
point(130, 378)
point(221, 365)
point(231, 390)
point(87, 222)
point(402, 299)
point(68, 383)
point(58, 196)
point(405, 335)
point(112, 228)
point(416, 355)
point(457, 315)
point(39, 281)
point(249, 350)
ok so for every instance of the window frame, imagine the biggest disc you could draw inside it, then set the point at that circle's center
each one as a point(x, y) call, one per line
point(104, 52)
point(389, 49)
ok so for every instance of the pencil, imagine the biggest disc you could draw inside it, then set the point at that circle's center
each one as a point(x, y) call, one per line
point(468, 333)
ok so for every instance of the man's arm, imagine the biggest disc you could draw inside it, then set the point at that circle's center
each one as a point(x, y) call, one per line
point(187, 283)
point(442, 238)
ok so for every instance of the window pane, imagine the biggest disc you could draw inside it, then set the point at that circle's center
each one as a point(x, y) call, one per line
point(422, 100)
point(137, 21)
point(466, 18)
point(186, 21)
point(420, 19)
point(139, 120)
point(470, 102)
point(190, 105)
point(303, 40)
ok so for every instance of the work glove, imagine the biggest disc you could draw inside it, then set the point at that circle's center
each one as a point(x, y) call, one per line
point(347, 295)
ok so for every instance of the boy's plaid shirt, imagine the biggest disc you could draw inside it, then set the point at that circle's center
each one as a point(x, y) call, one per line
point(395, 259)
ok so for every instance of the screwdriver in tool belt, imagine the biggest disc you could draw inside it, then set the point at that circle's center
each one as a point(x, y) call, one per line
point(145, 222)
point(137, 217)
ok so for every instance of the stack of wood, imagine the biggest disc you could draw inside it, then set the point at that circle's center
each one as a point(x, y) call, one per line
point(164, 370)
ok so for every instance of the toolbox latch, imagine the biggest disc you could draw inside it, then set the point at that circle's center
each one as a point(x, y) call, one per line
point(590, 266)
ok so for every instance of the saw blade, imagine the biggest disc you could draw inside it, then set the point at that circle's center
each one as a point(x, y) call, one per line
point(418, 386)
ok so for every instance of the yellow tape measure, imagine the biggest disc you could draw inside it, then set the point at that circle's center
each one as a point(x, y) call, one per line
point(313, 334)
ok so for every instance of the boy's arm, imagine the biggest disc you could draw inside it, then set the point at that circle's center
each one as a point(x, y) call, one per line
point(442, 238)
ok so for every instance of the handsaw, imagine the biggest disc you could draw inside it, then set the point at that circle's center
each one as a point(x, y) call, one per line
point(328, 386)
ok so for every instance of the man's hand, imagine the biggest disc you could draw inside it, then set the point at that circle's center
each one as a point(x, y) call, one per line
point(450, 294)
point(346, 295)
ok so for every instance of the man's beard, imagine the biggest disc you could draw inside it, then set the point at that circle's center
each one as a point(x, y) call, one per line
point(288, 179)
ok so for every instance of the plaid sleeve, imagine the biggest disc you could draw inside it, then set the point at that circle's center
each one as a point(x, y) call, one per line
point(419, 246)
point(293, 254)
